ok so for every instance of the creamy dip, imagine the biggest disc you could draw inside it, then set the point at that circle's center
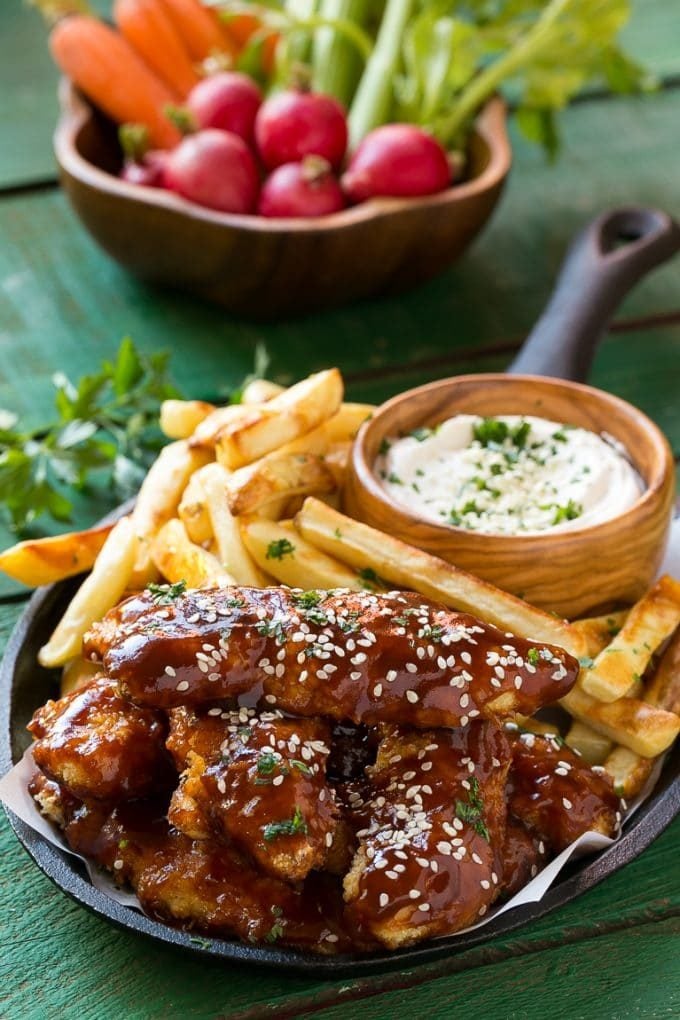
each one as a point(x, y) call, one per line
point(508, 475)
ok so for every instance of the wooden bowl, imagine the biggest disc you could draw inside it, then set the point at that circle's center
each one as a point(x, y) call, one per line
point(570, 572)
point(263, 268)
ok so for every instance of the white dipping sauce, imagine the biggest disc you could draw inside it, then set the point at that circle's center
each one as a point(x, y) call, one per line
point(508, 475)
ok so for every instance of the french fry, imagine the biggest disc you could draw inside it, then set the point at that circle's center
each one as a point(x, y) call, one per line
point(259, 391)
point(590, 744)
point(231, 551)
point(275, 476)
point(404, 566)
point(630, 771)
point(76, 673)
point(193, 510)
point(159, 498)
point(179, 559)
point(598, 631)
point(337, 459)
point(649, 623)
point(303, 566)
point(207, 431)
point(266, 427)
point(643, 728)
point(180, 418)
point(46, 560)
point(100, 590)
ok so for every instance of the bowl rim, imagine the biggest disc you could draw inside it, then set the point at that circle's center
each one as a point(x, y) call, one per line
point(76, 112)
point(366, 483)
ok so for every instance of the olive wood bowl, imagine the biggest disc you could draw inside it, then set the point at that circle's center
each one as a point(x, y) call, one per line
point(569, 572)
point(261, 267)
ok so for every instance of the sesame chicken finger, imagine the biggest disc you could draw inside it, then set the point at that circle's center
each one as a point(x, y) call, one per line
point(367, 658)
point(430, 852)
point(265, 791)
point(556, 794)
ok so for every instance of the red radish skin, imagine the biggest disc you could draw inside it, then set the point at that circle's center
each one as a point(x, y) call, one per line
point(215, 169)
point(294, 124)
point(147, 171)
point(301, 190)
point(398, 161)
point(228, 101)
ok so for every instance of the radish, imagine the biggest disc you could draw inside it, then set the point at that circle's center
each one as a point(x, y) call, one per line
point(301, 190)
point(216, 169)
point(294, 124)
point(229, 101)
point(141, 165)
point(398, 160)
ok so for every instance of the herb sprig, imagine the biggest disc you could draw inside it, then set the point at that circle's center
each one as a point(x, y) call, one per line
point(471, 811)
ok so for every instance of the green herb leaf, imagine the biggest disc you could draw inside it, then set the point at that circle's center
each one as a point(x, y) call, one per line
point(286, 827)
point(533, 657)
point(471, 811)
point(165, 594)
point(585, 662)
point(279, 548)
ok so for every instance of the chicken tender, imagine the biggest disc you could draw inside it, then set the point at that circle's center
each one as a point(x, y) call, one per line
point(367, 658)
point(266, 792)
point(556, 794)
point(430, 854)
point(98, 745)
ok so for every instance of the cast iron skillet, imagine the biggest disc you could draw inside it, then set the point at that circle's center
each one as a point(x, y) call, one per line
point(604, 262)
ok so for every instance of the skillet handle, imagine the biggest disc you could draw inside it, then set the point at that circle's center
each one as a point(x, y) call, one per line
point(604, 262)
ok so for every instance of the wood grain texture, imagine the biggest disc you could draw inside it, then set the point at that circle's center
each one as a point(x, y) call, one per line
point(552, 571)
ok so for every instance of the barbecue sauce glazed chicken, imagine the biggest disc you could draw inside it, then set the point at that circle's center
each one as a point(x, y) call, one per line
point(328, 770)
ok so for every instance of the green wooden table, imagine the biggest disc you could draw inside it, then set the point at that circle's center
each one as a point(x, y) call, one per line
point(64, 305)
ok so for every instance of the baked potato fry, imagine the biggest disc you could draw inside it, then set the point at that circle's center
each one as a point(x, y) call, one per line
point(404, 566)
point(180, 418)
point(598, 631)
point(649, 623)
point(643, 728)
point(630, 771)
point(337, 459)
point(159, 498)
point(179, 559)
point(259, 391)
point(98, 593)
point(46, 560)
point(276, 476)
point(193, 510)
point(279, 550)
point(266, 427)
point(591, 745)
point(231, 551)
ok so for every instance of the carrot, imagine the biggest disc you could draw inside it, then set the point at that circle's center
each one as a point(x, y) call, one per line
point(199, 28)
point(148, 28)
point(106, 68)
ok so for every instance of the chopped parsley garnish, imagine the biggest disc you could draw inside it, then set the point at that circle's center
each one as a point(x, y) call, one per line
point(235, 603)
point(271, 628)
point(569, 512)
point(422, 433)
point(266, 763)
point(369, 578)
point(276, 930)
point(203, 943)
point(307, 599)
point(533, 657)
point(493, 433)
point(348, 624)
point(165, 594)
point(435, 633)
point(286, 827)
point(300, 766)
point(123, 844)
point(394, 479)
point(384, 447)
point(559, 436)
point(585, 662)
point(279, 548)
point(470, 811)
point(338, 534)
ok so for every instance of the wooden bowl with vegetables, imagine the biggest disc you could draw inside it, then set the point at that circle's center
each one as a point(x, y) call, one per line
point(336, 157)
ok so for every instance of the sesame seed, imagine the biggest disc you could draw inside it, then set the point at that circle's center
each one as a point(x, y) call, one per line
point(414, 894)
point(567, 803)
point(485, 884)
point(277, 780)
point(411, 667)
point(384, 899)
point(183, 685)
point(390, 676)
point(377, 690)
point(118, 864)
point(170, 671)
point(329, 839)
point(391, 874)
point(355, 676)
point(424, 907)
point(412, 697)
point(270, 699)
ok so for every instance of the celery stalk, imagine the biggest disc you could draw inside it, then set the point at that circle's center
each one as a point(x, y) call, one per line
point(336, 63)
point(487, 82)
point(299, 45)
point(373, 98)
